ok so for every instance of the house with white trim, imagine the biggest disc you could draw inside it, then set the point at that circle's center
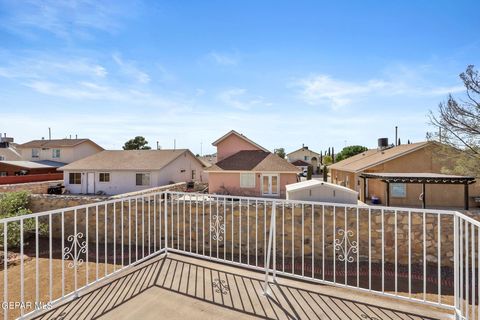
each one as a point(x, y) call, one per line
point(246, 168)
point(114, 172)
point(58, 150)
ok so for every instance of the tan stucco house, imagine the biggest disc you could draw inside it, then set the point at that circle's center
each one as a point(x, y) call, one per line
point(246, 168)
point(306, 155)
point(423, 157)
point(58, 150)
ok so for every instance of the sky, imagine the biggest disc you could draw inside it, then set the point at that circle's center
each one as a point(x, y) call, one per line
point(284, 73)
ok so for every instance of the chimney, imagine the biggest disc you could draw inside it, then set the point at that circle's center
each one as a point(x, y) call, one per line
point(49, 133)
point(76, 136)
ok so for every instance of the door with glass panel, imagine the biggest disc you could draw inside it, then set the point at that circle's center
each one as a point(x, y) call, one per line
point(270, 185)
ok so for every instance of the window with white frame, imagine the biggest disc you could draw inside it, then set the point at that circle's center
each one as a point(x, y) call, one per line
point(398, 190)
point(305, 158)
point(35, 153)
point(247, 180)
point(3, 174)
point(2, 158)
point(104, 177)
point(55, 153)
point(75, 178)
point(142, 179)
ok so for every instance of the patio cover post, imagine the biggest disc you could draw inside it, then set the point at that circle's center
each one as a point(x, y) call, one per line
point(466, 196)
point(388, 193)
point(424, 196)
point(364, 194)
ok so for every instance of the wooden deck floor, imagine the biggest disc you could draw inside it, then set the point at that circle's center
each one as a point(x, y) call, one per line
point(178, 287)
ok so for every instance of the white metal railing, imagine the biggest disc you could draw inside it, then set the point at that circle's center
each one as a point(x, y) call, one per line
point(426, 256)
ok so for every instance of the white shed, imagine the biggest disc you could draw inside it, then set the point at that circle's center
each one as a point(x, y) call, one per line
point(317, 190)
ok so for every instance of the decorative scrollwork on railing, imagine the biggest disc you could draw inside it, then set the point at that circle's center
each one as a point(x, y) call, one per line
point(221, 286)
point(346, 247)
point(69, 252)
point(217, 227)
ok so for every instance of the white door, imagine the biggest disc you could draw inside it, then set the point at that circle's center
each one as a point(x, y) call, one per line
point(270, 185)
point(91, 182)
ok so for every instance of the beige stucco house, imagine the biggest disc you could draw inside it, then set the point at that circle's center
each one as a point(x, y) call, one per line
point(121, 171)
point(306, 155)
point(58, 150)
point(422, 157)
point(246, 168)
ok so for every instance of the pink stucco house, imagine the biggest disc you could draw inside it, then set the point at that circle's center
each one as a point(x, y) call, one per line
point(245, 168)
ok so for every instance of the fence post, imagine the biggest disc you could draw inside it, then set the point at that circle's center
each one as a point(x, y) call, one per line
point(455, 264)
point(269, 250)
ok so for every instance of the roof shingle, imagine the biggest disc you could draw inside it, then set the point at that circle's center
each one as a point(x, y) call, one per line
point(373, 157)
point(254, 160)
point(127, 160)
point(54, 143)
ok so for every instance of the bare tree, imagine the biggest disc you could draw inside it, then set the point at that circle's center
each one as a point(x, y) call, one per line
point(458, 121)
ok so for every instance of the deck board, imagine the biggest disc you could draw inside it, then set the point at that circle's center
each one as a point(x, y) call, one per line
point(179, 287)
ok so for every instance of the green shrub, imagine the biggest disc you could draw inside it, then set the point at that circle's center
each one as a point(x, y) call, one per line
point(14, 204)
point(309, 173)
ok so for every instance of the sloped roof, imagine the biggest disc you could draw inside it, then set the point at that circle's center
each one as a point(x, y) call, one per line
point(10, 154)
point(309, 184)
point(254, 160)
point(208, 160)
point(374, 157)
point(27, 164)
point(300, 163)
point(55, 143)
point(304, 148)
point(128, 160)
point(241, 136)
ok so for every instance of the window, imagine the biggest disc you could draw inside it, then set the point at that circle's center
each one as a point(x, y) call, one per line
point(305, 158)
point(398, 190)
point(55, 153)
point(35, 153)
point(194, 174)
point(104, 177)
point(247, 180)
point(143, 179)
point(2, 158)
point(3, 174)
point(75, 178)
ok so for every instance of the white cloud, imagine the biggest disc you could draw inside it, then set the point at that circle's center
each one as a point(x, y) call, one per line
point(65, 19)
point(224, 59)
point(239, 99)
point(320, 88)
point(51, 67)
point(323, 89)
point(129, 68)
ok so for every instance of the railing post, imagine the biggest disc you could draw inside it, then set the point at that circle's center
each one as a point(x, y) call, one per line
point(274, 250)
point(455, 263)
point(269, 250)
point(165, 198)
